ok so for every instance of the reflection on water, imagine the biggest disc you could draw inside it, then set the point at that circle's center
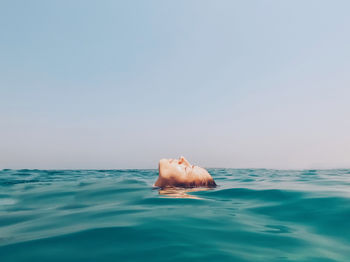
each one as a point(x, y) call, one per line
point(177, 192)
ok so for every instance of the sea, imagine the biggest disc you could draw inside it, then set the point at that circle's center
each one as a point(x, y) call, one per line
point(117, 215)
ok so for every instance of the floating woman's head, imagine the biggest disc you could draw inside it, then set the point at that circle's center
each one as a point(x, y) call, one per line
point(180, 173)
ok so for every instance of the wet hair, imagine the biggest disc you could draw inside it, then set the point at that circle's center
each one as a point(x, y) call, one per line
point(206, 183)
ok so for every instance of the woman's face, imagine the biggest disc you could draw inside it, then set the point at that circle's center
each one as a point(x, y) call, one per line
point(178, 167)
point(179, 172)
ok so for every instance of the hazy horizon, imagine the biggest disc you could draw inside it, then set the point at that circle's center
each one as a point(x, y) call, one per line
point(229, 84)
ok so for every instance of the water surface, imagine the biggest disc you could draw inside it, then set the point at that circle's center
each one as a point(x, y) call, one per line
point(116, 215)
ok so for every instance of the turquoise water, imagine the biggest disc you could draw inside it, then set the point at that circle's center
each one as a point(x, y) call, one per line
point(116, 215)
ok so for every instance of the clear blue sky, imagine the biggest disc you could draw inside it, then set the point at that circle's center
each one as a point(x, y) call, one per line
point(120, 84)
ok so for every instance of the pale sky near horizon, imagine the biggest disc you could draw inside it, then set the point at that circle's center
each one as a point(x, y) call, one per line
point(121, 84)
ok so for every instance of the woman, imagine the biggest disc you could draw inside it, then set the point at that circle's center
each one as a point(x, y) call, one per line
point(180, 173)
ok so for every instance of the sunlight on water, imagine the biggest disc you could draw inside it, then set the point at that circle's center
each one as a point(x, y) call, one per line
point(117, 215)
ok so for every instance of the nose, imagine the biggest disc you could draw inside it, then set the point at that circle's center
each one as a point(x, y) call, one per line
point(183, 160)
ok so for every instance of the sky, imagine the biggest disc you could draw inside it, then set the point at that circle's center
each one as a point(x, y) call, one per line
point(121, 84)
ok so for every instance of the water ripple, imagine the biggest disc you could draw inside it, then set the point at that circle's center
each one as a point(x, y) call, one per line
point(109, 215)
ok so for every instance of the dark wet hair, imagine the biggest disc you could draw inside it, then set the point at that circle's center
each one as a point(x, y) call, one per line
point(211, 184)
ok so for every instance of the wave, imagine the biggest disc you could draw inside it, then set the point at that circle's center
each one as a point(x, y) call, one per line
point(109, 215)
